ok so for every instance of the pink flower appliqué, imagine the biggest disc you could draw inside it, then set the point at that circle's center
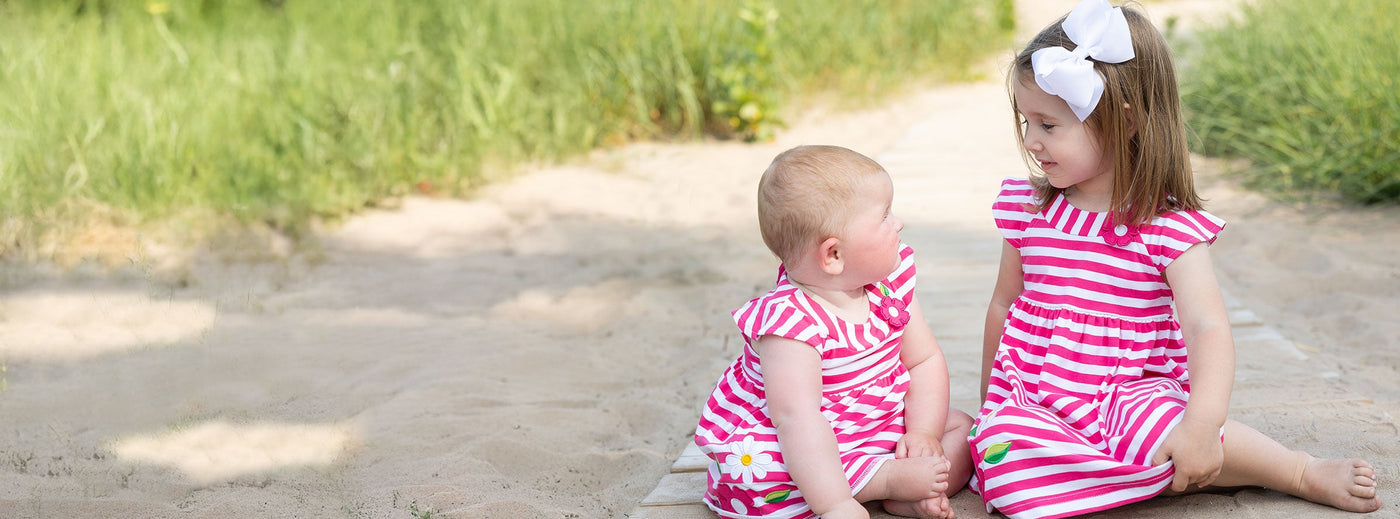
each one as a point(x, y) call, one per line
point(1118, 235)
point(892, 309)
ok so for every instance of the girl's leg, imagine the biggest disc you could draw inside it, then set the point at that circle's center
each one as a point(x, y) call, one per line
point(1253, 459)
point(959, 469)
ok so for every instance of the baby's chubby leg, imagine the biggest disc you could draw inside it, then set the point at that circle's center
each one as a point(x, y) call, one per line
point(911, 487)
point(920, 487)
point(956, 450)
point(907, 479)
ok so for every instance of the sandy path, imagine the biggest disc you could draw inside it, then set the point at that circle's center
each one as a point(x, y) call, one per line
point(542, 350)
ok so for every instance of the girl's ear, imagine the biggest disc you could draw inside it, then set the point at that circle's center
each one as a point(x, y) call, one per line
point(832, 262)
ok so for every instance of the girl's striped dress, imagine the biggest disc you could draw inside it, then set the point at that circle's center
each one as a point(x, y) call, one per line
point(863, 387)
point(1091, 371)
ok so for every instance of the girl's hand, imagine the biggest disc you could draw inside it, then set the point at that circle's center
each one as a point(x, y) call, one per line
point(847, 509)
point(917, 444)
point(1194, 447)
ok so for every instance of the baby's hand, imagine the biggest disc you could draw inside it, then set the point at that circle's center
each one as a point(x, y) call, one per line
point(917, 444)
point(1195, 449)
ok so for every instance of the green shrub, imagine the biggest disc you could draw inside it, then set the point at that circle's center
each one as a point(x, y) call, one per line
point(1307, 92)
point(281, 112)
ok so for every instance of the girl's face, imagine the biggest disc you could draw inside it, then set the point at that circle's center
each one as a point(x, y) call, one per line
point(1067, 149)
point(870, 250)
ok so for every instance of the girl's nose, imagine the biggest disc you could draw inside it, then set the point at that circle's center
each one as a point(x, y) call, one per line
point(1033, 144)
point(898, 223)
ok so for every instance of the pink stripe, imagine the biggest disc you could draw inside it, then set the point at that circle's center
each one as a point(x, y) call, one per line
point(1090, 305)
point(1093, 492)
point(1124, 270)
point(1057, 211)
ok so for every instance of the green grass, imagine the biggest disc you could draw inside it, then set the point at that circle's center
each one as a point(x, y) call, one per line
point(283, 113)
point(1307, 91)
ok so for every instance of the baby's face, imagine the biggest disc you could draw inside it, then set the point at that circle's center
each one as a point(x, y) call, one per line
point(870, 242)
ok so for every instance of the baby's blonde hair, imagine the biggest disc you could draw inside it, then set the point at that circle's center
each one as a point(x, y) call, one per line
point(1147, 142)
point(805, 197)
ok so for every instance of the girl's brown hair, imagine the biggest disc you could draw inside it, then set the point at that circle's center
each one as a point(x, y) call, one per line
point(1147, 142)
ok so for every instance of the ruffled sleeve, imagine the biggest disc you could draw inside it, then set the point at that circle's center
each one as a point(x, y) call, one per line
point(1013, 209)
point(1169, 235)
point(776, 314)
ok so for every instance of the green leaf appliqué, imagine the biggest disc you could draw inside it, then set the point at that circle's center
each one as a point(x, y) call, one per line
point(776, 496)
point(996, 452)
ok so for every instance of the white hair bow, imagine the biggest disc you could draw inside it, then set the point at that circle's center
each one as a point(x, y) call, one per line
point(1099, 31)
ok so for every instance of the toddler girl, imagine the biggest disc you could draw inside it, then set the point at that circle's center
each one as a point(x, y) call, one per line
point(841, 393)
point(1096, 392)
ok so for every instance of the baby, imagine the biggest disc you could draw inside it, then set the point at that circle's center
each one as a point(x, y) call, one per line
point(841, 393)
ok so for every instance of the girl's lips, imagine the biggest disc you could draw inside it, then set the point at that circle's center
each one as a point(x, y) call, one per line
point(1046, 164)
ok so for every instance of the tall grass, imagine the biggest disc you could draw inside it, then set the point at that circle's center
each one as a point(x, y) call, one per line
point(1308, 92)
point(282, 113)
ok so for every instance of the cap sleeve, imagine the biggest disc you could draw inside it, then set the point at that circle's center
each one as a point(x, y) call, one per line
point(1171, 234)
point(901, 282)
point(776, 314)
point(1013, 209)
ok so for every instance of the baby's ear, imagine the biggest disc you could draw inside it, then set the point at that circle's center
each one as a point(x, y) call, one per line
point(830, 252)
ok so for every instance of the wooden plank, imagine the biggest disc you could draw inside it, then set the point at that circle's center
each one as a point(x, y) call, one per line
point(691, 511)
point(678, 489)
point(691, 460)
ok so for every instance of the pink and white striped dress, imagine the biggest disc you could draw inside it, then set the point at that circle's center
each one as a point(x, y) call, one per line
point(1091, 371)
point(863, 387)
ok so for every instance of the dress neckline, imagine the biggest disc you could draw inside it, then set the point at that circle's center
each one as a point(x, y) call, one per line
point(1073, 220)
point(871, 303)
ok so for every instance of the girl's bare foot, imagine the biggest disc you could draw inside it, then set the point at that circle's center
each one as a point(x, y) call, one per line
point(1348, 484)
point(932, 508)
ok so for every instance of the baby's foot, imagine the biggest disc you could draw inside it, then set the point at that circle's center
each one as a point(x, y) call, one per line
point(1348, 484)
point(917, 479)
point(932, 508)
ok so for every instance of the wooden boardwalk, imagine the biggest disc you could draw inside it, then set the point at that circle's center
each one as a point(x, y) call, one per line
point(678, 494)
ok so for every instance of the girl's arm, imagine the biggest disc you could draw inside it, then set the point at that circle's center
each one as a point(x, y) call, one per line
point(1194, 444)
point(792, 376)
point(1010, 284)
point(926, 403)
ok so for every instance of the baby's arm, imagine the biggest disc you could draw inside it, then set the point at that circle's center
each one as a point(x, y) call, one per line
point(926, 403)
point(1010, 284)
point(792, 376)
point(1194, 444)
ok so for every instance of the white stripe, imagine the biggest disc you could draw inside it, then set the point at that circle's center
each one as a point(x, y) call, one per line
point(1139, 433)
point(1085, 254)
point(1078, 222)
point(1074, 485)
point(1089, 329)
point(1097, 226)
point(1115, 496)
point(1097, 276)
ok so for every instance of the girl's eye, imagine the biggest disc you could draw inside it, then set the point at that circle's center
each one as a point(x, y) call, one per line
point(1047, 126)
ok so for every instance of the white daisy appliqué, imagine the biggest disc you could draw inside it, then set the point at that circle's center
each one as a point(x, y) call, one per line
point(744, 462)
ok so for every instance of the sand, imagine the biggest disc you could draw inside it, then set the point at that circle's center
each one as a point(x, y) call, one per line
point(542, 349)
